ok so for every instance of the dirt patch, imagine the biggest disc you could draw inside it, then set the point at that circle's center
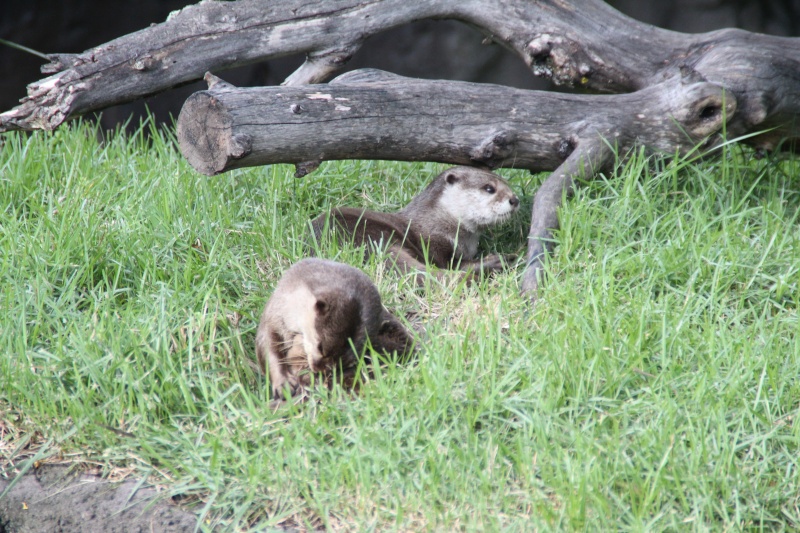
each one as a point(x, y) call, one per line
point(54, 499)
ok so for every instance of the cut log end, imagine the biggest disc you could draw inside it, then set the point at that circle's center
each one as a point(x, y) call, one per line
point(204, 135)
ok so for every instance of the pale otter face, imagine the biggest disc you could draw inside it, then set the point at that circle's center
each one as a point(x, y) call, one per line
point(477, 198)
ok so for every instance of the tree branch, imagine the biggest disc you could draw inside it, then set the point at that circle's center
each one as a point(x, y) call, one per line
point(370, 114)
point(586, 44)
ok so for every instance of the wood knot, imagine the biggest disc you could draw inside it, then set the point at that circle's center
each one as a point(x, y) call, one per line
point(144, 63)
point(565, 148)
point(240, 145)
point(493, 149)
point(306, 167)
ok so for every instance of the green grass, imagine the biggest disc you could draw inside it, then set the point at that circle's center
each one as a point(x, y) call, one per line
point(655, 385)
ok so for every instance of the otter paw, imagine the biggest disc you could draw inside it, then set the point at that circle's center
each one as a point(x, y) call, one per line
point(291, 384)
point(493, 262)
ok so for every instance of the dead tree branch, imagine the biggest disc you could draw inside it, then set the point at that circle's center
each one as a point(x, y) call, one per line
point(370, 114)
point(586, 44)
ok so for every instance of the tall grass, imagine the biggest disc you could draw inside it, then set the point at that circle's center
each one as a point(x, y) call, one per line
point(654, 386)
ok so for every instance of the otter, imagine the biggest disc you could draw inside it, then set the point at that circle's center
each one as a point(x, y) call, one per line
point(442, 224)
point(319, 318)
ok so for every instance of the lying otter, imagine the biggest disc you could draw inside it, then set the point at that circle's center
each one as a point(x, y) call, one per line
point(442, 224)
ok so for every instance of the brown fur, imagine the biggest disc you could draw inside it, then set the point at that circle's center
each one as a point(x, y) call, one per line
point(318, 308)
point(426, 230)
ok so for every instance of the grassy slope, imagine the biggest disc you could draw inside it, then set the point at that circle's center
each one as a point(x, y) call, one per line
point(654, 386)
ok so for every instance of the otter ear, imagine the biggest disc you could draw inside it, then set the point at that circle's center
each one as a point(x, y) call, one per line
point(451, 178)
point(321, 307)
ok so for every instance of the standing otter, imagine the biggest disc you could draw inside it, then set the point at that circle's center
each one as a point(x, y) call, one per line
point(441, 224)
point(317, 310)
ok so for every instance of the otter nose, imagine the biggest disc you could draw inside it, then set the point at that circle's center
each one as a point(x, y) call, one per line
point(514, 201)
point(319, 365)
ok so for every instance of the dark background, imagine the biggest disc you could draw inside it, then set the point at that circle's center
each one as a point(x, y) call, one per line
point(427, 49)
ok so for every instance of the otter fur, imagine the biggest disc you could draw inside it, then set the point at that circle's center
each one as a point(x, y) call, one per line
point(319, 318)
point(441, 225)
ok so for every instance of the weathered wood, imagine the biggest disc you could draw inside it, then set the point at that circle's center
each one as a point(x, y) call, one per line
point(211, 35)
point(370, 114)
point(585, 43)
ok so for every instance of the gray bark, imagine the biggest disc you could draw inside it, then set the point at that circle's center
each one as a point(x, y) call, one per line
point(586, 44)
point(370, 114)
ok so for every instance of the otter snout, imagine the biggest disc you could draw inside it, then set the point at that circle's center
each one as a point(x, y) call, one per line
point(318, 365)
point(504, 209)
point(317, 361)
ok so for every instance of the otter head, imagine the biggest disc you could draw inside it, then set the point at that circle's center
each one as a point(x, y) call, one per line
point(337, 321)
point(476, 198)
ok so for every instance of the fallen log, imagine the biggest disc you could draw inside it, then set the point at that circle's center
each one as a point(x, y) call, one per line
point(586, 44)
point(369, 114)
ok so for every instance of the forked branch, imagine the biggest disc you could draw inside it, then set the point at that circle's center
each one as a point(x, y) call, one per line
point(587, 44)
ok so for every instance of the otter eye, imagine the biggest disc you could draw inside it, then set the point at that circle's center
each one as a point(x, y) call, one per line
point(490, 189)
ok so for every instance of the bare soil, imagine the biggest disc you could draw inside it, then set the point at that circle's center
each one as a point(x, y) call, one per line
point(53, 498)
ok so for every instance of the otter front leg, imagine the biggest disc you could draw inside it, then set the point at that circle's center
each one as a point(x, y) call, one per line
point(583, 162)
point(281, 375)
point(407, 264)
point(471, 270)
point(283, 382)
point(488, 263)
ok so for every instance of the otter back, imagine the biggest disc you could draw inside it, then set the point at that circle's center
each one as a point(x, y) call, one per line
point(386, 230)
